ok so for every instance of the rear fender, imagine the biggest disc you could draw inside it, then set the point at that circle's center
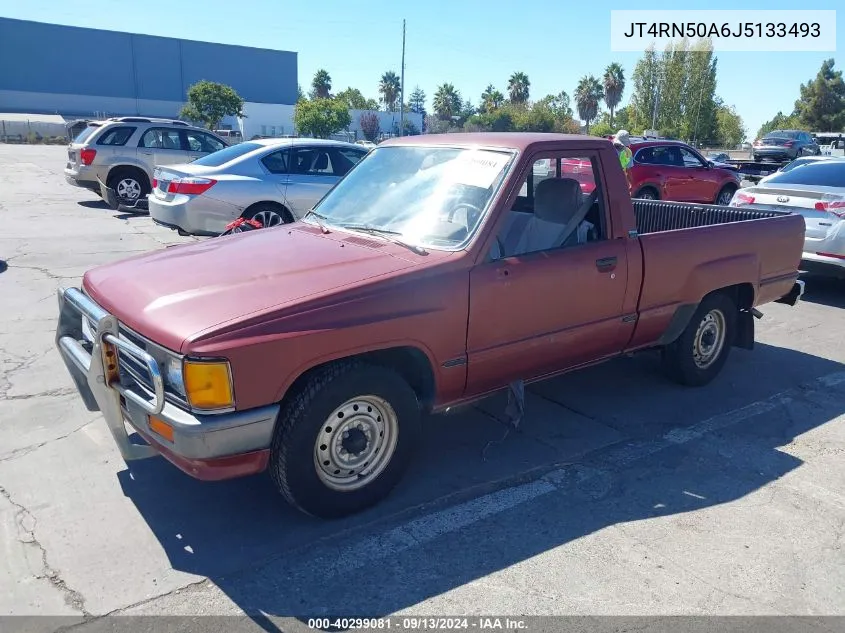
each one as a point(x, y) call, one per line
point(721, 273)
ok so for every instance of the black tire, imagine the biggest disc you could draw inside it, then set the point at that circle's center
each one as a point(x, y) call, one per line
point(756, 158)
point(262, 209)
point(304, 416)
point(679, 357)
point(727, 191)
point(129, 174)
point(654, 194)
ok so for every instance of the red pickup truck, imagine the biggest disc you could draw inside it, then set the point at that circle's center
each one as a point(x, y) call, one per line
point(441, 269)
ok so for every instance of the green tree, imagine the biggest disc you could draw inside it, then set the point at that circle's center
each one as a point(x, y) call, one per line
point(491, 99)
point(321, 118)
point(730, 129)
point(588, 94)
point(388, 87)
point(646, 79)
point(416, 101)
point(321, 85)
point(622, 119)
point(519, 88)
point(614, 86)
point(209, 102)
point(562, 106)
point(782, 121)
point(821, 107)
point(300, 94)
point(700, 109)
point(354, 100)
point(447, 102)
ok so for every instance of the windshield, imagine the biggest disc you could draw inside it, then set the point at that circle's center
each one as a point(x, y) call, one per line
point(432, 196)
point(223, 156)
point(824, 173)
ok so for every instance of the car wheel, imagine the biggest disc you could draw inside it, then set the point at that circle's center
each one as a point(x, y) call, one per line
point(648, 193)
point(724, 198)
point(344, 439)
point(700, 352)
point(756, 158)
point(129, 184)
point(268, 215)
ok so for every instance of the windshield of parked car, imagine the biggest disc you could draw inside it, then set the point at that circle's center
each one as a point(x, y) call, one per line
point(824, 173)
point(429, 196)
point(223, 156)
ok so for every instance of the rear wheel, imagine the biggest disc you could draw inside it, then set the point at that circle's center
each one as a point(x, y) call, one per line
point(648, 193)
point(268, 214)
point(700, 352)
point(344, 440)
point(130, 184)
point(724, 198)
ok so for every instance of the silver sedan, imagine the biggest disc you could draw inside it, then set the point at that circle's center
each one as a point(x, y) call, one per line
point(271, 180)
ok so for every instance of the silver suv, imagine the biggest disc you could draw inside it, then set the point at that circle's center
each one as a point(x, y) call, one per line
point(121, 154)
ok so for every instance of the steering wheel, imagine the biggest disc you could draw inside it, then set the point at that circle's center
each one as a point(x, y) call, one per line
point(472, 213)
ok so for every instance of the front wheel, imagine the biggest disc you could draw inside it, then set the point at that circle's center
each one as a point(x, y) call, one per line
point(725, 195)
point(700, 352)
point(344, 439)
point(647, 193)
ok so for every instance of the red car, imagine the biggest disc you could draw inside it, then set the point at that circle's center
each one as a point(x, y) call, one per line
point(672, 170)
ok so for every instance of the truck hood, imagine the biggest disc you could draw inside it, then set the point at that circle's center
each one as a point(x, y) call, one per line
point(176, 293)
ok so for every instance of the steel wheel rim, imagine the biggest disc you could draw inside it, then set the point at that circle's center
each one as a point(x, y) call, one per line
point(709, 339)
point(725, 198)
point(647, 195)
point(128, 189)
point(356, 443)
point(268, 218)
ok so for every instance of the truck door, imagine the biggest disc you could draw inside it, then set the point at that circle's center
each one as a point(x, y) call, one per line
point(538, 306)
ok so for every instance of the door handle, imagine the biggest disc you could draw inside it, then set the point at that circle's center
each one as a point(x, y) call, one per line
point(146, 153)
point(606, 264)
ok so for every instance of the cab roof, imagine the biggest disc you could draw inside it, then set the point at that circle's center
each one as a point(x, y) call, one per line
point(505, 140)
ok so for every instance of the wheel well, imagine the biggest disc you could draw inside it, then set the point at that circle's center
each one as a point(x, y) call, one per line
point(652, 187)
point(409, 362)
point(272, 203)
point(118, 169)
point(741, 294)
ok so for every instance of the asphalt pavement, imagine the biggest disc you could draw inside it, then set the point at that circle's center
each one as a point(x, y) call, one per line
point(621, 494)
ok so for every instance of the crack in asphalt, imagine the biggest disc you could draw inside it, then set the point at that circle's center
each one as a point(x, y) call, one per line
point(26, 522)
point(26, 450)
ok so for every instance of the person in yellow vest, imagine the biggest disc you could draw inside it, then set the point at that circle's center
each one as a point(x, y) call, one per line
point(622, 141)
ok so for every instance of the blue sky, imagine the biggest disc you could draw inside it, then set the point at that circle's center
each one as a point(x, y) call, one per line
point(469, 43)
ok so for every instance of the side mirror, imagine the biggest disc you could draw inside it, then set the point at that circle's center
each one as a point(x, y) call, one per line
point(710, 164)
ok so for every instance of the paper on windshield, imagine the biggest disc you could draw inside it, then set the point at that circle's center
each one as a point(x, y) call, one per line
point(478, 168)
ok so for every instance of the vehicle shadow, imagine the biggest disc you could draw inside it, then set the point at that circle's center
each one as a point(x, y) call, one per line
point(271, 560)
point(93, 204)
point(824, 290)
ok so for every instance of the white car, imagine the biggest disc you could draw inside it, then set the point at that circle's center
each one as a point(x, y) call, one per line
point(368, 145)
point(798, 162)
point(816, 191)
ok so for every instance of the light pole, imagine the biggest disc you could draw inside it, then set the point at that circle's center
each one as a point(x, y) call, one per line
point(402, 87)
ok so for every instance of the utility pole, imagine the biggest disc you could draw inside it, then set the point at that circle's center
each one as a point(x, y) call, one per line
point(698, 114)
point(402, 87)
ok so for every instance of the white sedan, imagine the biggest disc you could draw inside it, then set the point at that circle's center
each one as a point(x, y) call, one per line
point(816, 191)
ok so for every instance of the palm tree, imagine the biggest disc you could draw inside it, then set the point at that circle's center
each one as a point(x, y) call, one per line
point(389, 89)
point(447, 102)
point(491, 99)
point(321, 84)
point(587, 96)
point(518, 86)
point(614, 86)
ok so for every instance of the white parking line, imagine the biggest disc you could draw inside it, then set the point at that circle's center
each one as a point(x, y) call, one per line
point(427, 528)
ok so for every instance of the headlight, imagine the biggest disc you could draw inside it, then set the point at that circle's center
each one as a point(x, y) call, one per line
point(208, 384)
point(173, 375)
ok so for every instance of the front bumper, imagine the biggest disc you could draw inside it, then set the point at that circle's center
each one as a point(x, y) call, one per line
point(205, 446)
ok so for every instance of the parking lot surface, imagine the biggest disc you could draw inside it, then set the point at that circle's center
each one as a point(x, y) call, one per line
point(621, 493)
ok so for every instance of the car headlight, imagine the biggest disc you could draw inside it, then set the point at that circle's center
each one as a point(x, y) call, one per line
point(208, 384)
point(173, 375)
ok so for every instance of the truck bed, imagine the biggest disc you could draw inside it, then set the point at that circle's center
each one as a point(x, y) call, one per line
point(656, 216)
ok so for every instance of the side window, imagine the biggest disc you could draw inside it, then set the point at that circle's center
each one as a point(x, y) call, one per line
point(645, 156)
point(116, 136)
point(277, 162)
point(558, 206)
point(344, 159)
point(690, 159)
point(311, 161)
point(161, 138)
point(201, 142)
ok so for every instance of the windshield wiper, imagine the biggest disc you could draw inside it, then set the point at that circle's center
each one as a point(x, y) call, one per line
point(319, 218)
point(366, 228)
